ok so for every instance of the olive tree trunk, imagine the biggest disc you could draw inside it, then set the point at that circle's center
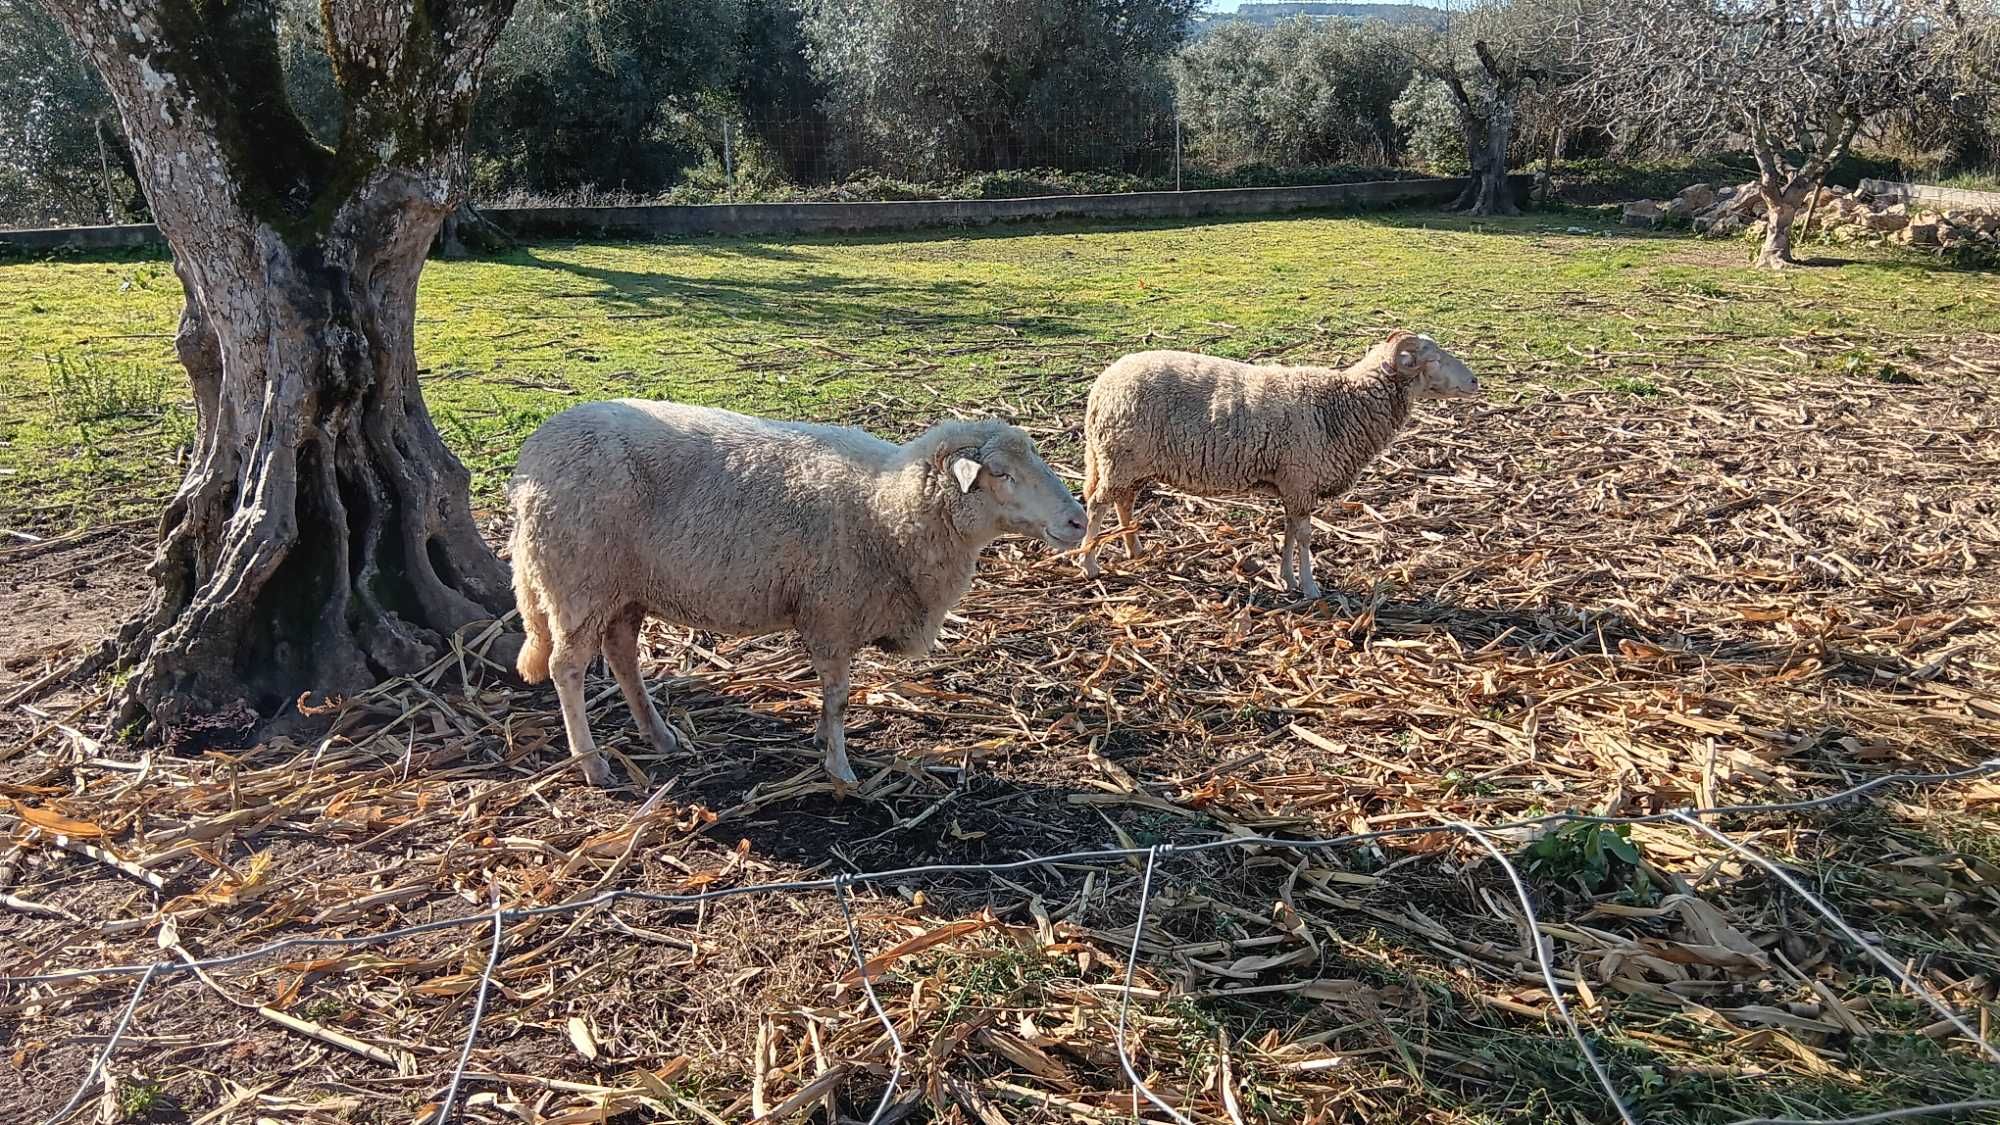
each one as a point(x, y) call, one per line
point(1785, 186)
point(322, 538)
point(1487, 136)
point(1781, 210)
point(1485, 108)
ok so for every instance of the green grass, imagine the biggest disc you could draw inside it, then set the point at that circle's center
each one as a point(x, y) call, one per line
point(137, 1100)
point(895, 329)
point(1983, 179)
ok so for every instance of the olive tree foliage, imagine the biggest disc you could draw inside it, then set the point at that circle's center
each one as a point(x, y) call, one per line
point(1427, 117)
point(1797, 80)
point(322, 537)
point(1300, 91)
point(936, 86)
point(63, 158)
point(610, 93)
point(1953, 123)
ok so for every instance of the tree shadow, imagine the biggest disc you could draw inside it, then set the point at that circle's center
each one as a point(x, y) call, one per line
point(1894, 263)
point(1550, 629)
point(816, 300)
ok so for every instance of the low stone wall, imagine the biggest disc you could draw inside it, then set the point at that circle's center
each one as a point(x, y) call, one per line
point(807, 218)
point(82, 238)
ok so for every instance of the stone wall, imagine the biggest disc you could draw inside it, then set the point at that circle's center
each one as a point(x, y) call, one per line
point(806, 218)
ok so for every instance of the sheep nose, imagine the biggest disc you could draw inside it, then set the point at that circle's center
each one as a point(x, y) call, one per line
point(1075, 523)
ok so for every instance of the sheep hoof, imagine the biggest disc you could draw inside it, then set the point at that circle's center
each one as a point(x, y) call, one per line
point(667, 740)
point(596, 770)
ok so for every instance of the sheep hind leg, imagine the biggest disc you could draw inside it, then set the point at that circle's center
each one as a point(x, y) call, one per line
point(833, 683)
point(1131, 529)
point(567, 662)
point(621, 652)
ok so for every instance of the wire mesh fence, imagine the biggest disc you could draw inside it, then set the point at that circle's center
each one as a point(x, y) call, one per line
point(1120, 141)
point(1154, 857)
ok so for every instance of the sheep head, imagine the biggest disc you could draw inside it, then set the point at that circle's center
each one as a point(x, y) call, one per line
point(1428, 370)
point(997, 484)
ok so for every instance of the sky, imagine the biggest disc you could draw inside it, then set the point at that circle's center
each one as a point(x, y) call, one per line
point(1232, 5)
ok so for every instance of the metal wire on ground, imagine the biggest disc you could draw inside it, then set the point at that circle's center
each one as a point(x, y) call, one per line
point(1902, 975)
point(1094, 855)
point(1534, 935)
point(875, 1002)
point(1125, 993)
point(500, 918)
point(110, 1044)
point(840, 884)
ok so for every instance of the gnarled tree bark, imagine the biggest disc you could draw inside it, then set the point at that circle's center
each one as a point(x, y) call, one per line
point(322, 538)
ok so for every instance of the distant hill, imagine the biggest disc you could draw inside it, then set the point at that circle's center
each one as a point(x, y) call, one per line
point(1266, 13)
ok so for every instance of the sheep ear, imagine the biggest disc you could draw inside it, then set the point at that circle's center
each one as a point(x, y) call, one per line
point(966, 470)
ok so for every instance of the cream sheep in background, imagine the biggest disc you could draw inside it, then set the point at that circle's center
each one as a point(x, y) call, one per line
point(1217, 427)
point(738, 525)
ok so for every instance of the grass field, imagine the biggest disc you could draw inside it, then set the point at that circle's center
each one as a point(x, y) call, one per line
point(1715, 537)
point(93, 412)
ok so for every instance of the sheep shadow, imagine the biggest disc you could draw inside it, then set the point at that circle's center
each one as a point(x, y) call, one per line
point(1547, 629)
point(760, 774)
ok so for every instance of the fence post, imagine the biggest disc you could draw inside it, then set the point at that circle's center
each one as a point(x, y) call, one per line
point(112, 212)
point(728, 153)
point(1177, 145)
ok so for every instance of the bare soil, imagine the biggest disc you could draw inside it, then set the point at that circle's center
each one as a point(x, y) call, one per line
point(59, 599)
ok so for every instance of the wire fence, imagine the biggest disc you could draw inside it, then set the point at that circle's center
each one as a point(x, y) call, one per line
point(1696, 819)
point(1105, 141)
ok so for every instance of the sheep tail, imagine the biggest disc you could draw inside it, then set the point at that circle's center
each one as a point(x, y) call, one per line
point(1090, 473)
point(533, 663)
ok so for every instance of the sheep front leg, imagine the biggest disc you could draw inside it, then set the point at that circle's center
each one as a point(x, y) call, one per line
point(1094, 528)
point(833, 684)
point(1300, 532)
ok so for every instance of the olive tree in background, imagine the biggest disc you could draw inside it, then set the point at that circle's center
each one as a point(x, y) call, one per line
point(1485, 59)
point(62, 156)
point(322, 537)
point(1301, 91)
point(613, 94)
point(934, 86)
point(1797, 80)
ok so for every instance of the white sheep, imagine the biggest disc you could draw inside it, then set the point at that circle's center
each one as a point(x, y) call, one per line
point(738, 525)
point(1215, 427)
